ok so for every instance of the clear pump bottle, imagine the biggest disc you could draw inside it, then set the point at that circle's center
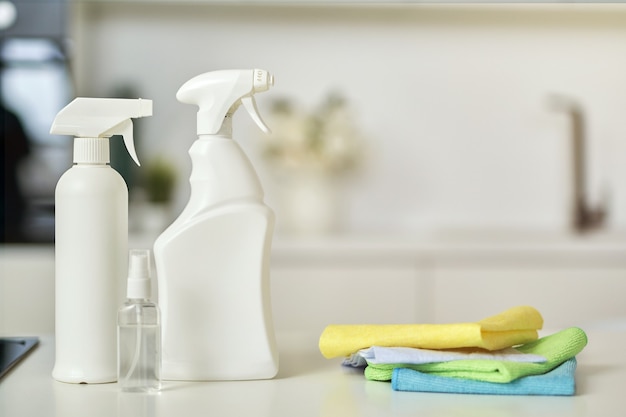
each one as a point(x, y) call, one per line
point(139, 330)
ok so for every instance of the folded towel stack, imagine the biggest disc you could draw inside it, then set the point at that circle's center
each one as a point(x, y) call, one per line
point(474, 358)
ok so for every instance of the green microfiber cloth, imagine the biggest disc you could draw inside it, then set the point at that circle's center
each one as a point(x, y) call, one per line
point(556, 348)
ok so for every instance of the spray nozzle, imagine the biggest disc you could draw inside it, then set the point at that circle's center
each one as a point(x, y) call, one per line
point(138, 285)
point(218, 94)
point(102, 118)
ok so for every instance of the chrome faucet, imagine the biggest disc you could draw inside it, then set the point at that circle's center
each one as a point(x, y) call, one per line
point(584, 217)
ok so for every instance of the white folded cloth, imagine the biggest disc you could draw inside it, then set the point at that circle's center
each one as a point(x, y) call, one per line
point(415, 356)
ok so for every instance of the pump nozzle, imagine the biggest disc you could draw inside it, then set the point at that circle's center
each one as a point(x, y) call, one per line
point(102, 118)
point(138, 284)
point(219, 94)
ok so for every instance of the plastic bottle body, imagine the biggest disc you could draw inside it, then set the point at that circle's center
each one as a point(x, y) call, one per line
point(214, 293)
point(91, 233)
point(139, 346)
point(213, 273)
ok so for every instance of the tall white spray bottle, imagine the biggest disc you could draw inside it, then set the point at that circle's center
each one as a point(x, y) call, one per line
point(213, 261)
point(91, 238)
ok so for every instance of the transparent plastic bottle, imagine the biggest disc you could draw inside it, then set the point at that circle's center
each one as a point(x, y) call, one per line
point(139, 331)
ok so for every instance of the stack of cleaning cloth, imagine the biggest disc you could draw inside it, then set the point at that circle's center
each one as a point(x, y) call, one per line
point(501, 354)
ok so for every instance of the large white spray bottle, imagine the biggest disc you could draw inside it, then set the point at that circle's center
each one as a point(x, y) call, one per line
point(213, 261)
point(91, 238)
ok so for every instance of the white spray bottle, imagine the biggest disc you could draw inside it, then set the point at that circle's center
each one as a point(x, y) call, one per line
point(213, 261)
point(91, 238)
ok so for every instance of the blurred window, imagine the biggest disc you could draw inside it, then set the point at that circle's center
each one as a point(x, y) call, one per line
point(35, 84)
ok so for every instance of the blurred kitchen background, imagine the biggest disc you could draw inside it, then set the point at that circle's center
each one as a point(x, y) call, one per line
point(455, 158)
point(451, 118)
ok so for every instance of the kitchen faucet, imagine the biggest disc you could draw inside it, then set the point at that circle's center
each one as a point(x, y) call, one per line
point(584, 217)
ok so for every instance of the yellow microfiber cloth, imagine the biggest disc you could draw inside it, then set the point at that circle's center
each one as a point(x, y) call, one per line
point(512, 327)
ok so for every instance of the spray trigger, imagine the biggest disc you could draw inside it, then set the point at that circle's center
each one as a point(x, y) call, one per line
point(250, 104)
point(87, 117)
point(125, 128)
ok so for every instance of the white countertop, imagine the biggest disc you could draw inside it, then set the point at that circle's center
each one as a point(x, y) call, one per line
point(309, 385)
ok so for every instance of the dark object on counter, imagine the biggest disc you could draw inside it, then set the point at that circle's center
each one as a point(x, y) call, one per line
point(13, 349)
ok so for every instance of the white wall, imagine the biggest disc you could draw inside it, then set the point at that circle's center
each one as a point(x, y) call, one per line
point(452, 97)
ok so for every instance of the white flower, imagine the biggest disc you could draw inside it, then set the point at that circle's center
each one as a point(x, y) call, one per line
point(326, 139)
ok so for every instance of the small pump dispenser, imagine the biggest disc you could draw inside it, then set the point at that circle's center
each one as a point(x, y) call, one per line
point(213, 261)
point(139, 330)
point(91, 238)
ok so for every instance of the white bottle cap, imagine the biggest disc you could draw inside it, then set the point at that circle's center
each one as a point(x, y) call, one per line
point(91, 151)
point(138, 285)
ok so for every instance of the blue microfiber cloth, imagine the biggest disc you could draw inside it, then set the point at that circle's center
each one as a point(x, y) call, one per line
point(559, 381)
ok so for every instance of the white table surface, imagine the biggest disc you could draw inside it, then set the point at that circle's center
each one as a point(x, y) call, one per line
point(309, 385)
